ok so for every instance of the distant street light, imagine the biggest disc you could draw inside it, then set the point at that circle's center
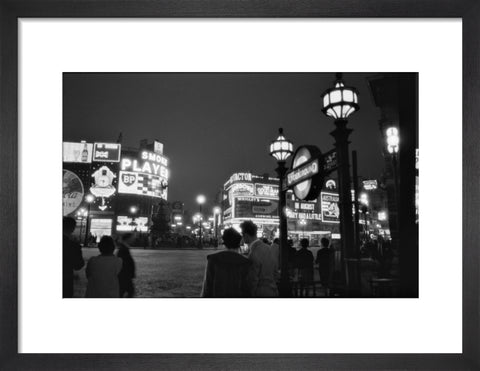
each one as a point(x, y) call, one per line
point(281, 149)
point(82, 214)
point(216, 220)
point(339, 103)
point(133, 209)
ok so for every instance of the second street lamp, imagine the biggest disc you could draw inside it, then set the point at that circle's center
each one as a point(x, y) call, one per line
point(339, 103)
point(281, 149)
point(200, 200)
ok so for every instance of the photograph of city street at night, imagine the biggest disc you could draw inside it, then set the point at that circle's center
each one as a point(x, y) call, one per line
point(240, 185)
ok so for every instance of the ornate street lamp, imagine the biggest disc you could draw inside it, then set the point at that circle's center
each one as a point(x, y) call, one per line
point(393, 141)
point(281, 149)
point(339, 103)
point(216, 219)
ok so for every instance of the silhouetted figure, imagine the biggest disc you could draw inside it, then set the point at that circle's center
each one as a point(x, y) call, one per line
point(72, 256)
point(275, 247)
point(325, 258)
point(227, 272)
point(102, 271)
point(304, 265)
point(127, 274)
point(264, 266)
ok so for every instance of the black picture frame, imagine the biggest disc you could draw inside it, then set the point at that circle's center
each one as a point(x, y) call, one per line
point(10, 11)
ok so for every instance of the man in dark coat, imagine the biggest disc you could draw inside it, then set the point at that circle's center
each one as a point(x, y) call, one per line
point(325, 257)
point(227, 272)
point(72, 256)
point(127, 274)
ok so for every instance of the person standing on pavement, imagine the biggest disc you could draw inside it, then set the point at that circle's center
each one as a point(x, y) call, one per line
point(227, 271)
point(72, 256)
point(304, 265)
point(325, 258)
point(264, 272)
point(102, 271)
point(127, 274)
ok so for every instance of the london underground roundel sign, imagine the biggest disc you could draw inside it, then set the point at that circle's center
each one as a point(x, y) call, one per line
point(306, 176)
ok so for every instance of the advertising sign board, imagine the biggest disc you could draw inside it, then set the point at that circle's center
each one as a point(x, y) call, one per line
point(73, 192)
point(330, 209)
point(77, 152)
point(252, 207)
point(106, 152)
point(370, 185)
point(141, 184)
point(157, 147)
point(129, 224)
point(266, 190)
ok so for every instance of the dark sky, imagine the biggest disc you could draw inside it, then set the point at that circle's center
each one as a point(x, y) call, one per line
point(213, 125)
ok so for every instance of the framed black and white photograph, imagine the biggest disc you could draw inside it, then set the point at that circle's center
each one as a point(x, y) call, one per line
point(243, 187)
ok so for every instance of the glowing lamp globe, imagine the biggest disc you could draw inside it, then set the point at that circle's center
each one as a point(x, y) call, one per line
point(281, 148)
point(201, 199)
point(340, 101)
point(393, 140)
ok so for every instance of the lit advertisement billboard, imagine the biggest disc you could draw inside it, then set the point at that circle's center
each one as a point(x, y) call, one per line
point(330, 209)
point(72, 192)
point(77, 152)
point(252, 207)
point(145, 175)
point(141, 184)
point(266, 190)
point(106, 152)
point(129, 224)
point(103, 185)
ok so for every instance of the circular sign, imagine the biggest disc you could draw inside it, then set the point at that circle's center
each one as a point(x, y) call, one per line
point(72, 192)
point(310, 188)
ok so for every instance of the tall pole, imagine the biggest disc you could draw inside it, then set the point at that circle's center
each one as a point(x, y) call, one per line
point(87, 225)
point(357, 221)
point(285, 288)
point(341, 134)
point(200, 222)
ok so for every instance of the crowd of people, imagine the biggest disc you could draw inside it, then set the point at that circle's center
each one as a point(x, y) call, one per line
point(109, 275)
point(231, 272)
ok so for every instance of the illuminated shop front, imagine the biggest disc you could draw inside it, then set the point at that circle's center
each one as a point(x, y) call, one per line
point(253, 197)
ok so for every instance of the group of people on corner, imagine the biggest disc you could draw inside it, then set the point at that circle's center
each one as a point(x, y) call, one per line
point(231, 274)
point(109, 275)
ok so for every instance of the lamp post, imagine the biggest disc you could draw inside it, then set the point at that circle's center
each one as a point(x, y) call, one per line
point(200, 200)
point(393, 141)
point(82, 214)
point(339, 103)
point(216, 216)
point(281, 149)
point(303, 222)
point(89, 199)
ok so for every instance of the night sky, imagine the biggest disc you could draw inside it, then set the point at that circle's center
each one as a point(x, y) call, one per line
point(213, 125)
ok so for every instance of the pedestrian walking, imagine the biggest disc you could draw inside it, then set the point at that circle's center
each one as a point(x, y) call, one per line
point(102, 271)
point(72, 256)
point(127, 273)
point(227, 272)
point(264, 273)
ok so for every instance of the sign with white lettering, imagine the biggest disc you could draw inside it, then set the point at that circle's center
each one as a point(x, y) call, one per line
point(370, 185)
point(106, 152)
point(306, 176)
point(266, 190)
point(330, 162)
